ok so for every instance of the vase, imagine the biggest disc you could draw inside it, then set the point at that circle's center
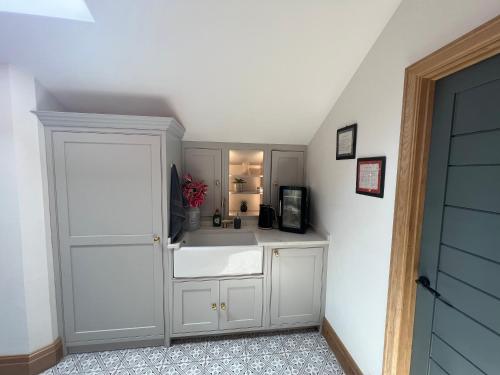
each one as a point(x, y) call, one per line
point(238, 187)
point(243, 206)
point(192, 219)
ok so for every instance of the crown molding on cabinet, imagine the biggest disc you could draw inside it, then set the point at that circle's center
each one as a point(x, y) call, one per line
point(96, 120)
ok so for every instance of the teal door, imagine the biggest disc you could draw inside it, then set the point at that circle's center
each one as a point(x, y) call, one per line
point(457, 318)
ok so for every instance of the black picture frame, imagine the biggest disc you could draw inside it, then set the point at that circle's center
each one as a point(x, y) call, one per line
point(353, 129)
point(379, 191)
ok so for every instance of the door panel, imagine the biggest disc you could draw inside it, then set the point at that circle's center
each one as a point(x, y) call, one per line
point(475, 148)
point(477, 107)
point(296, 285)
point(435, 369)
point(108, 191)
point(451, 361)
point(287, 169)
point(205, 164)
point(99, 303)
point(474, 187)
point(96, 193)
point(473, 341)
point(471, 301)
point(192, 310)
point(477, 272)
point(243, 303)
point(473, 231)
point(459, 331)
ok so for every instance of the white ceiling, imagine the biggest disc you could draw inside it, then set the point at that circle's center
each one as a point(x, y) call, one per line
point(228, 70)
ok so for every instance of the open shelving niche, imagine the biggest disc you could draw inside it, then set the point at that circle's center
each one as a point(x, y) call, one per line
point(248, 165)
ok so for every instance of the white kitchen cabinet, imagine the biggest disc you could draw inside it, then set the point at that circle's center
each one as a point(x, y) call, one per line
point(211, 305)
point(296, 282)
point(107, 199)
point(108, 190)
point(287, 169)
point(195, 307)
point(240, 303)
point(205, 165)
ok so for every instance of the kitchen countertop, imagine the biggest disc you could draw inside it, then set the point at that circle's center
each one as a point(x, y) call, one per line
point(275, 237)
point(272, 237)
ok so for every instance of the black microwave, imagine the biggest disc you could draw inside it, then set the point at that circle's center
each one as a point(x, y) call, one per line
point(292, 209)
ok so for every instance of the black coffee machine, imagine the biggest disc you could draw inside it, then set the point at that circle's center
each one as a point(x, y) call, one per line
point(266, 216)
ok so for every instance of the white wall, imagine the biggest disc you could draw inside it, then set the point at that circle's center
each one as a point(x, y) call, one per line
point(13, 325)
point(361, 226)
point(29, 255)
point(45, 101)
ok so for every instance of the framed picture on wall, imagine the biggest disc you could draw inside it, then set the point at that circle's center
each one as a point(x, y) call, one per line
point(346, 142)
point(370, 176)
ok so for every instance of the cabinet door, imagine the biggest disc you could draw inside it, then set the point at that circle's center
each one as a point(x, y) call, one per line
point(240, 303)
point(287, 169)
point(108, 195)
point(296, 285)
point(195, 306)
point(205, 164)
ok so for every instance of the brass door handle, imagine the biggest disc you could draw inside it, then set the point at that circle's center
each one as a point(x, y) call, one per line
point(223, 306)
point(156, 238)
point(276, 253)
point(214, 306)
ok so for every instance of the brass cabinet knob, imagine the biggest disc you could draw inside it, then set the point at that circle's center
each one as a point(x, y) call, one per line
point(156, 238)
point(222, 306)
point(214, 306)
point(276, 253)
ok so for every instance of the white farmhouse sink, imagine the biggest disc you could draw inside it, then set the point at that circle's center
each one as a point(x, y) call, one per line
point(217, 253)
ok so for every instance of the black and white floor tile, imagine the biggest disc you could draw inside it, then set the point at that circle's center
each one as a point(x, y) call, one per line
point(288, 353)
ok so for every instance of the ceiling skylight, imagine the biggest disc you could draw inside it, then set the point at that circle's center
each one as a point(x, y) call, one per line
point(68, 9)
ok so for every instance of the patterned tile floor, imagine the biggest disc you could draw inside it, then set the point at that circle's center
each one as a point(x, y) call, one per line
point(293, 352)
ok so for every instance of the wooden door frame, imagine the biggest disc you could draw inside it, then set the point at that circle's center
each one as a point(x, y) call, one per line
point(418, 101)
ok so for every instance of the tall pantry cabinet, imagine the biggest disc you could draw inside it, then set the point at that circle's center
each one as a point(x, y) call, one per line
point(109, 180)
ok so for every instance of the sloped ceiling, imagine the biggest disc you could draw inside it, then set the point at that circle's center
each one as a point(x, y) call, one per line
point(228, 70)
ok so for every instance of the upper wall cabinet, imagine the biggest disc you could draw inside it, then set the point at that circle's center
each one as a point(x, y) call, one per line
point(241, 176)
point(287, 169)
point(205, 164)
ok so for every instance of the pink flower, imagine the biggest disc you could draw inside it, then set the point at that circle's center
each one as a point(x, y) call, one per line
point(194, 191)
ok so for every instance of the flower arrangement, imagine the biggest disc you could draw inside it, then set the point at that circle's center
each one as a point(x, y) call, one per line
point(194, 191)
